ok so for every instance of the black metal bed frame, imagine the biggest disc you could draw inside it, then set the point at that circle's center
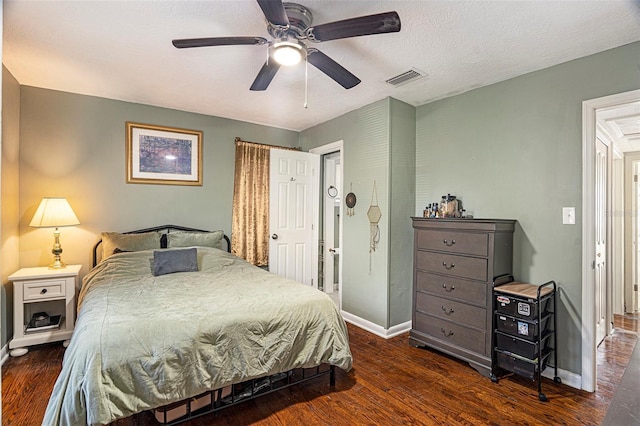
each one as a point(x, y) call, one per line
point(252, 389)
point(163, 237)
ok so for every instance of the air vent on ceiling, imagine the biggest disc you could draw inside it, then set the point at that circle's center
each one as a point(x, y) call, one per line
point(406, 77)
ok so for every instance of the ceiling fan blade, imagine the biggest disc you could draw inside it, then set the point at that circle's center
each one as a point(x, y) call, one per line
point(218, 41)
point(388, 22)
point(332, 69)
point(274, 12)
point(266, 74)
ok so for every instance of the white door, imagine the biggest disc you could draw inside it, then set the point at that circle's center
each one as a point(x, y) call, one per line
point(293, 213)
point(601, 185)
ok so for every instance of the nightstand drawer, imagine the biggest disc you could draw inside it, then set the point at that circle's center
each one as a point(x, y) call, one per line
point(42, 290)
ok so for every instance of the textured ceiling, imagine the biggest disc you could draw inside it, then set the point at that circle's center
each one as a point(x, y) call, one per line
point(122, 50)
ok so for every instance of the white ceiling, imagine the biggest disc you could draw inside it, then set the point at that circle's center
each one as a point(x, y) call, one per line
point(122, 50)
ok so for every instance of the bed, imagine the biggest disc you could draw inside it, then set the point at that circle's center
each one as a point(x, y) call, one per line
point(144, 340)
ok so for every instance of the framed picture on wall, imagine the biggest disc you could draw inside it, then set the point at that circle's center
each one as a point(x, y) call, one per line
point(163, 155)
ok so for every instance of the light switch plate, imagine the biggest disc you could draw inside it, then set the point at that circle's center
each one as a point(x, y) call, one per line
point(568, 215)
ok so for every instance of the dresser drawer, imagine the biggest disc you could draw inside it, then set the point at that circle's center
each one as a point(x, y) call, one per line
point(449, 264)
point(457, 312)
point(43, 290)
point(453, 241)
point(453, 334)
point(453, 288)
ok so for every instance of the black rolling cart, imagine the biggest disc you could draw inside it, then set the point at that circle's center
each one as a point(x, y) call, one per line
point(524, 332)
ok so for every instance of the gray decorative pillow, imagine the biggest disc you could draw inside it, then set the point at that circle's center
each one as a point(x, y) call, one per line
point(170, 261)
point(191, 239)
point(112, 241)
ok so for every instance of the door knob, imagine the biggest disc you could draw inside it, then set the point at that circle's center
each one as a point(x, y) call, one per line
point(274, 236)
point(332, 250)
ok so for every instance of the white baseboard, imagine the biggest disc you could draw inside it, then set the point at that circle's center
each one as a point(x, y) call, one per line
point(4, 354)
point(376, 329)
point(568, 378)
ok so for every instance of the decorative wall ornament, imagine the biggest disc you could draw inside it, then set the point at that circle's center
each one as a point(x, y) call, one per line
point(350, 201)
point(374, 213)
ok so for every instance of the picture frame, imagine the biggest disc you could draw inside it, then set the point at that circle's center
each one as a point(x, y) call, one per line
point(163, 155)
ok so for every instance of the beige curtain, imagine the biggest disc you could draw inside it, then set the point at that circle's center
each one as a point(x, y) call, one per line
point(250, 223)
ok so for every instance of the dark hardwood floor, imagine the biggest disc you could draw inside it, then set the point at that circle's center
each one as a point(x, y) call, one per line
point(391, 383)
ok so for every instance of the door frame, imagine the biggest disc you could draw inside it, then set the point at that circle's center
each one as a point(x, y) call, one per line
point(328, 210)
point(602, 299)
point(617, 232)
point(589, 108)
point(329, 148)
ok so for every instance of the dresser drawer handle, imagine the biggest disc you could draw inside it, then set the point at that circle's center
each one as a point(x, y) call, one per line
point(449, 243)
point(447, 311)
point(446, 333)
point(43, 291)
point(448, 289)
point(447, 266)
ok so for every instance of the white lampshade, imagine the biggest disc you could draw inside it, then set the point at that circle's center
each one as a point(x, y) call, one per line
point(54, 212)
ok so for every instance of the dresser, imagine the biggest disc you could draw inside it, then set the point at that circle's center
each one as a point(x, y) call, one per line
point(455, 262)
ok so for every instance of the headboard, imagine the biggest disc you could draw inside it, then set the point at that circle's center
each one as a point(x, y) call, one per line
point(164, 230)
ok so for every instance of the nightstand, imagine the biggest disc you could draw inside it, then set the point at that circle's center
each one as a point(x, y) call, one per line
point(43, 290)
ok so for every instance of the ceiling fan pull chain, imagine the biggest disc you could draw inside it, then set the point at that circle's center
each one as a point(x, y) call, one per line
point(306, 81)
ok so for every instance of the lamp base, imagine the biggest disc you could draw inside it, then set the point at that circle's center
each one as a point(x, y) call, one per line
point(57, 265)
point(57, 251)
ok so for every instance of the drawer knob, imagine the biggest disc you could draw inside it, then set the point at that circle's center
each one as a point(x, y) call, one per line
point(448, 266)
point(448, 289)
point(449, 243)
point(43, 291)
point(446, 333)
point(447, 311)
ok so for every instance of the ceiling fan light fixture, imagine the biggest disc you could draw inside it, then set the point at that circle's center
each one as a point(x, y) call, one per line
point(288, 53)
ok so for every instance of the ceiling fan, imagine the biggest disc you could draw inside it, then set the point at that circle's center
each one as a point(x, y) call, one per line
point(290, 26)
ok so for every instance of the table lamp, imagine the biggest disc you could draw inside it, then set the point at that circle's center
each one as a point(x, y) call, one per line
point(54, 212)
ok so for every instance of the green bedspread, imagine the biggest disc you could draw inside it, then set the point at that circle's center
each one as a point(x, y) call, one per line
point(141, 341)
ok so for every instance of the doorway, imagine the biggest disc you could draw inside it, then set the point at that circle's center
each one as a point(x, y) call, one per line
point(594, 113)
point(330, 236)
point(331, 204)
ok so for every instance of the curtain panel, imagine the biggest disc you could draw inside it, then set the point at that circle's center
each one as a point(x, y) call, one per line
point(250, 223)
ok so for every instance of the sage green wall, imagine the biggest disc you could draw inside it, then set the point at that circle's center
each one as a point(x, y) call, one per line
point(9, 166)
point(365, 133)
point(514, 150)
point(74, 146)
point(380, 294)
point(402, 206)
